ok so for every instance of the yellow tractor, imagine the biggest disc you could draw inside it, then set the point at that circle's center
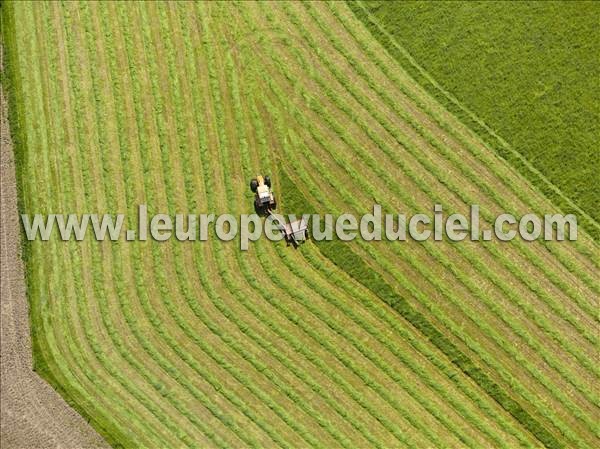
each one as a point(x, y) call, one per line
point(264, 200)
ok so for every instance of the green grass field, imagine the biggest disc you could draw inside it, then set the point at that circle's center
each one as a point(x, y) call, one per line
point(169, 345)
point(527, 70)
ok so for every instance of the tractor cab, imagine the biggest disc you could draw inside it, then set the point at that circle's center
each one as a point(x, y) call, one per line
point(264, 200)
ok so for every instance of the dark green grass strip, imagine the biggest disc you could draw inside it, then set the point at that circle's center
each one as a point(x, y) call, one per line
point(341, 254)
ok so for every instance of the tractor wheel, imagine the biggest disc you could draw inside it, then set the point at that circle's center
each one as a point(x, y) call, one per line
point(268, 181)
point(253, 185)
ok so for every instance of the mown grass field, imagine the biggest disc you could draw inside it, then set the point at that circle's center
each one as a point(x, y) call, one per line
point(178, 105)
point(528, 70)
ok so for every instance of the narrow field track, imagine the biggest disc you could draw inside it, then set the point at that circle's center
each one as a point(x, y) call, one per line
point(197, 344)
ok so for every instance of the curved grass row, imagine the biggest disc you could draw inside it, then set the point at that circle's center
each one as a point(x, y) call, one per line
point(373, 85)
point(297, 168)
point(488, 359)
point(80, 292)
point(507, 178)
point(131, 322)
point(196, 338)
point(283, 289)
point(311, 441)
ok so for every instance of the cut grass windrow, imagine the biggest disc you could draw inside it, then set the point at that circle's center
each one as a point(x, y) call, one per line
point(341, 255)
point(228, 188)
point(272, 275)
point(124, 303)
point(80, 293)
point(416, 292)
point(299, 429)
point(283, 257)
point(186, 328)
point(255, 126)
point(153, 318)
